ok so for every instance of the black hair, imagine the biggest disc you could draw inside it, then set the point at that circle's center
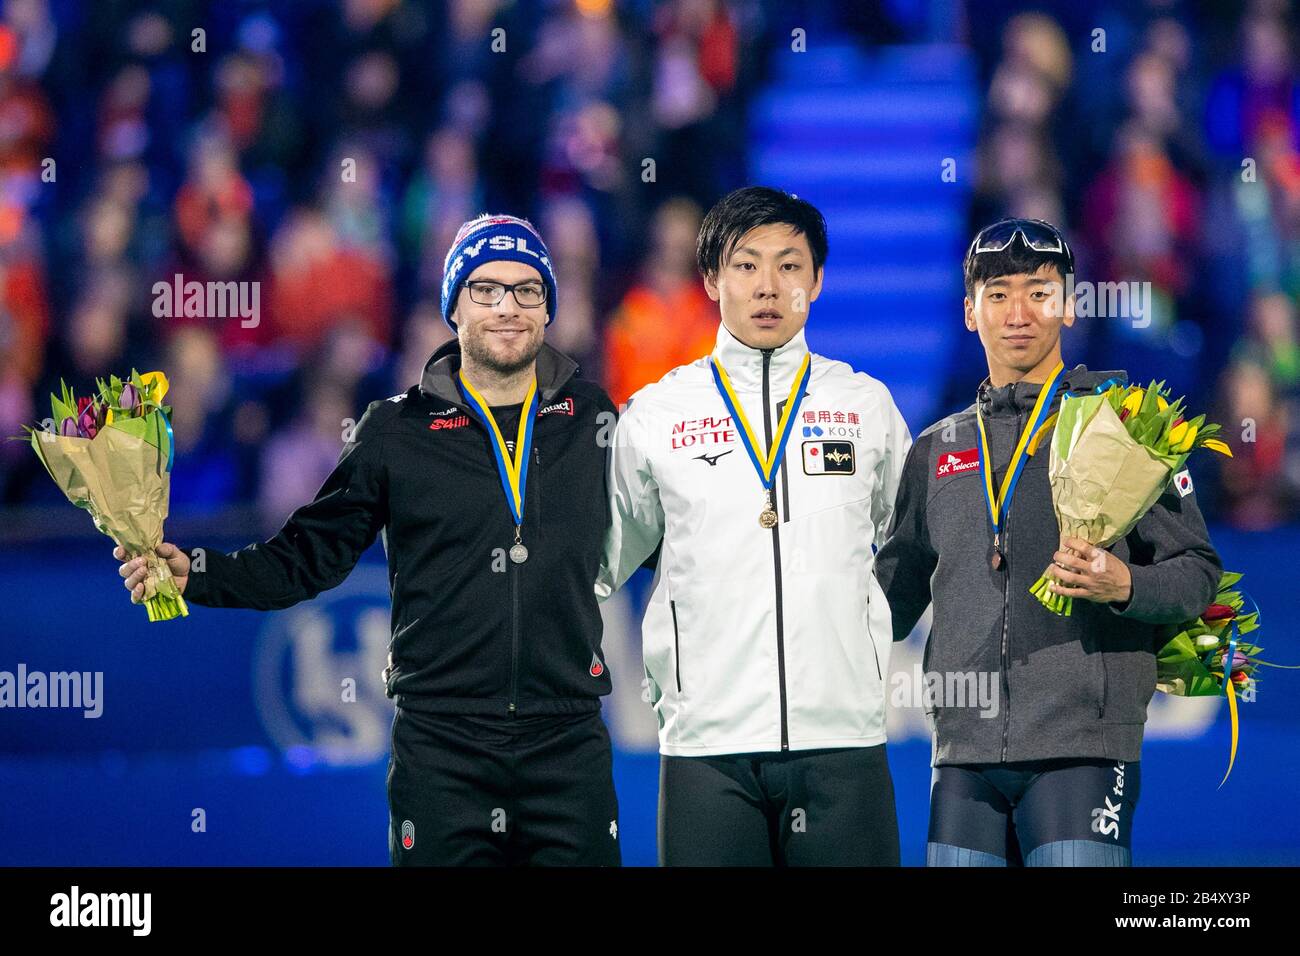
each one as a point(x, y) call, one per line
point(747, 208)
point(1016, 259)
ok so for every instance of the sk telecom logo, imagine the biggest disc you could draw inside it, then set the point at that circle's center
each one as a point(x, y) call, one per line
point(954, 463)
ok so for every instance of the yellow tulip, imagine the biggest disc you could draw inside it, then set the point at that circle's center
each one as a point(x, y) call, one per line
point(1215, 445)
point(156, 385)
point(1134, 400)
point(108, 416)
point(1176, 435)
point(1187, 441)
point(1161, 403)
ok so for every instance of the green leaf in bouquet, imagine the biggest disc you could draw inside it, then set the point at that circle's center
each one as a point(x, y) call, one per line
point(1156, 428)
point(61, 410)
point(1228, 579)
point(138, 427)
point(1248, 622)
point(1179, 648)
point(1149, 404)
point(1179, 665)
point(1115, 395)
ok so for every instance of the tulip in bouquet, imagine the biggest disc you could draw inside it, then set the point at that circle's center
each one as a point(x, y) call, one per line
point(111, 454)
point(1112, 455)
point(1208, 657)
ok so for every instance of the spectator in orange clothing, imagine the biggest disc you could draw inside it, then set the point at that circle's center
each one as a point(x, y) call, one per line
point(215, 190)
point(666, 319)
point(318, 283)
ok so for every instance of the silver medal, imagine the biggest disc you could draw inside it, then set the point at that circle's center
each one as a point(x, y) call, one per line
point(518, 554)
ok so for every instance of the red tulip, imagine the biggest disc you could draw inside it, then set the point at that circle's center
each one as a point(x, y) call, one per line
point(1218, 612)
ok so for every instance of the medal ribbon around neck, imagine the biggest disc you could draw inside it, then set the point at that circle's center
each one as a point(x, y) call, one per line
point(1000, 505)
point(513, 473)
point(767, 461)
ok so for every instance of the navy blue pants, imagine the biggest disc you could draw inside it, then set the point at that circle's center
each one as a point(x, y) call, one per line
point(1070, 812)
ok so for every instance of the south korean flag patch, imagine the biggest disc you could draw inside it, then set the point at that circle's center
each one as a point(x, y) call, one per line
point(1183, 482)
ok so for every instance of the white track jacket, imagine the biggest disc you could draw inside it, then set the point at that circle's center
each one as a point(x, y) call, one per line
point(755, 639)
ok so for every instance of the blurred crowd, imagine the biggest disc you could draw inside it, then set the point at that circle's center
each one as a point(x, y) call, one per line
point(324, 152)
point(1165, 138)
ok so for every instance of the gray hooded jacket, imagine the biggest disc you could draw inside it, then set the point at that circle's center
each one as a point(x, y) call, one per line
point(1073, 686)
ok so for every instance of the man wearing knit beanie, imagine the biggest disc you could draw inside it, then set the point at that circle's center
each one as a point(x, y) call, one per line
point(488, 483)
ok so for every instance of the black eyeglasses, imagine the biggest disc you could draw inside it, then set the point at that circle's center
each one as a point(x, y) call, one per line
point(528, 294)
point(1034, 233)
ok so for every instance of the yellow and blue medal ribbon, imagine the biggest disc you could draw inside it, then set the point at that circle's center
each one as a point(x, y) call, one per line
point(767, 460)
point(999, 505)
point(512, 471)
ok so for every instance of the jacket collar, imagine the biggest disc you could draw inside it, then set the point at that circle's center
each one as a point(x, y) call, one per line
point(554, 369)
point(1019, 397)
point(744, 364)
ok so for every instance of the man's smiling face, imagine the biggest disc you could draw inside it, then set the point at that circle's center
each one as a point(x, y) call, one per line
point(1019, 318)
point(505, 337)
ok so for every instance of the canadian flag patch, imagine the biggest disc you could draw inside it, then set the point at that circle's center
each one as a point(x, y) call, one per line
point(956, 462)
point(1183, 482)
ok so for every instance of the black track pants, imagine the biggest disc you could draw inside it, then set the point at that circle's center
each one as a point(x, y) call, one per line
point(478, 791)
point(799, 808)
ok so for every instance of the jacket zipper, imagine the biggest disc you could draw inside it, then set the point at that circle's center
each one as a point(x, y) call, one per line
point(1101, 704)
point(514, 636)
point(677, 647)
point(1005, 541)
point(514, 609)
point(776, 557)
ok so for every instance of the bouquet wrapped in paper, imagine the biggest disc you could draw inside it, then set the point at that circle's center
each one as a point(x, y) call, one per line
point(111, 454)
point(1112, 454)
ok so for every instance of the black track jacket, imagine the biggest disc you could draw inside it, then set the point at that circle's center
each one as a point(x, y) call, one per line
point(472, 632)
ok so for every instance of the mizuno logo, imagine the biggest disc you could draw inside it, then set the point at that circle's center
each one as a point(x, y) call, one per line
point(712, 459)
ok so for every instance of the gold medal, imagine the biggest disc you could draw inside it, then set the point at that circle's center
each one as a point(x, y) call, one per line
point(767, 460)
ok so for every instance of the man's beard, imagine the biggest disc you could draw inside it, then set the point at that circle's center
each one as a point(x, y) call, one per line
point(475, 346)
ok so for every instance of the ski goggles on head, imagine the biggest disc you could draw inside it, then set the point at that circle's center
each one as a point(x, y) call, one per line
point(1034, 233)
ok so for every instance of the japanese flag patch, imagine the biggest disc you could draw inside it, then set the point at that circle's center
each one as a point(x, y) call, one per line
point(1183, 482)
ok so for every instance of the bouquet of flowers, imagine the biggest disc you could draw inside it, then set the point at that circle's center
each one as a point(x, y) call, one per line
point(1208, 657)
point(1194, 661)
point(1111, 457)
point(111, 453)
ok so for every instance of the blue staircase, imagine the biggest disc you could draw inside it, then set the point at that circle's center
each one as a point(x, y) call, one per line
point(866, 143)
